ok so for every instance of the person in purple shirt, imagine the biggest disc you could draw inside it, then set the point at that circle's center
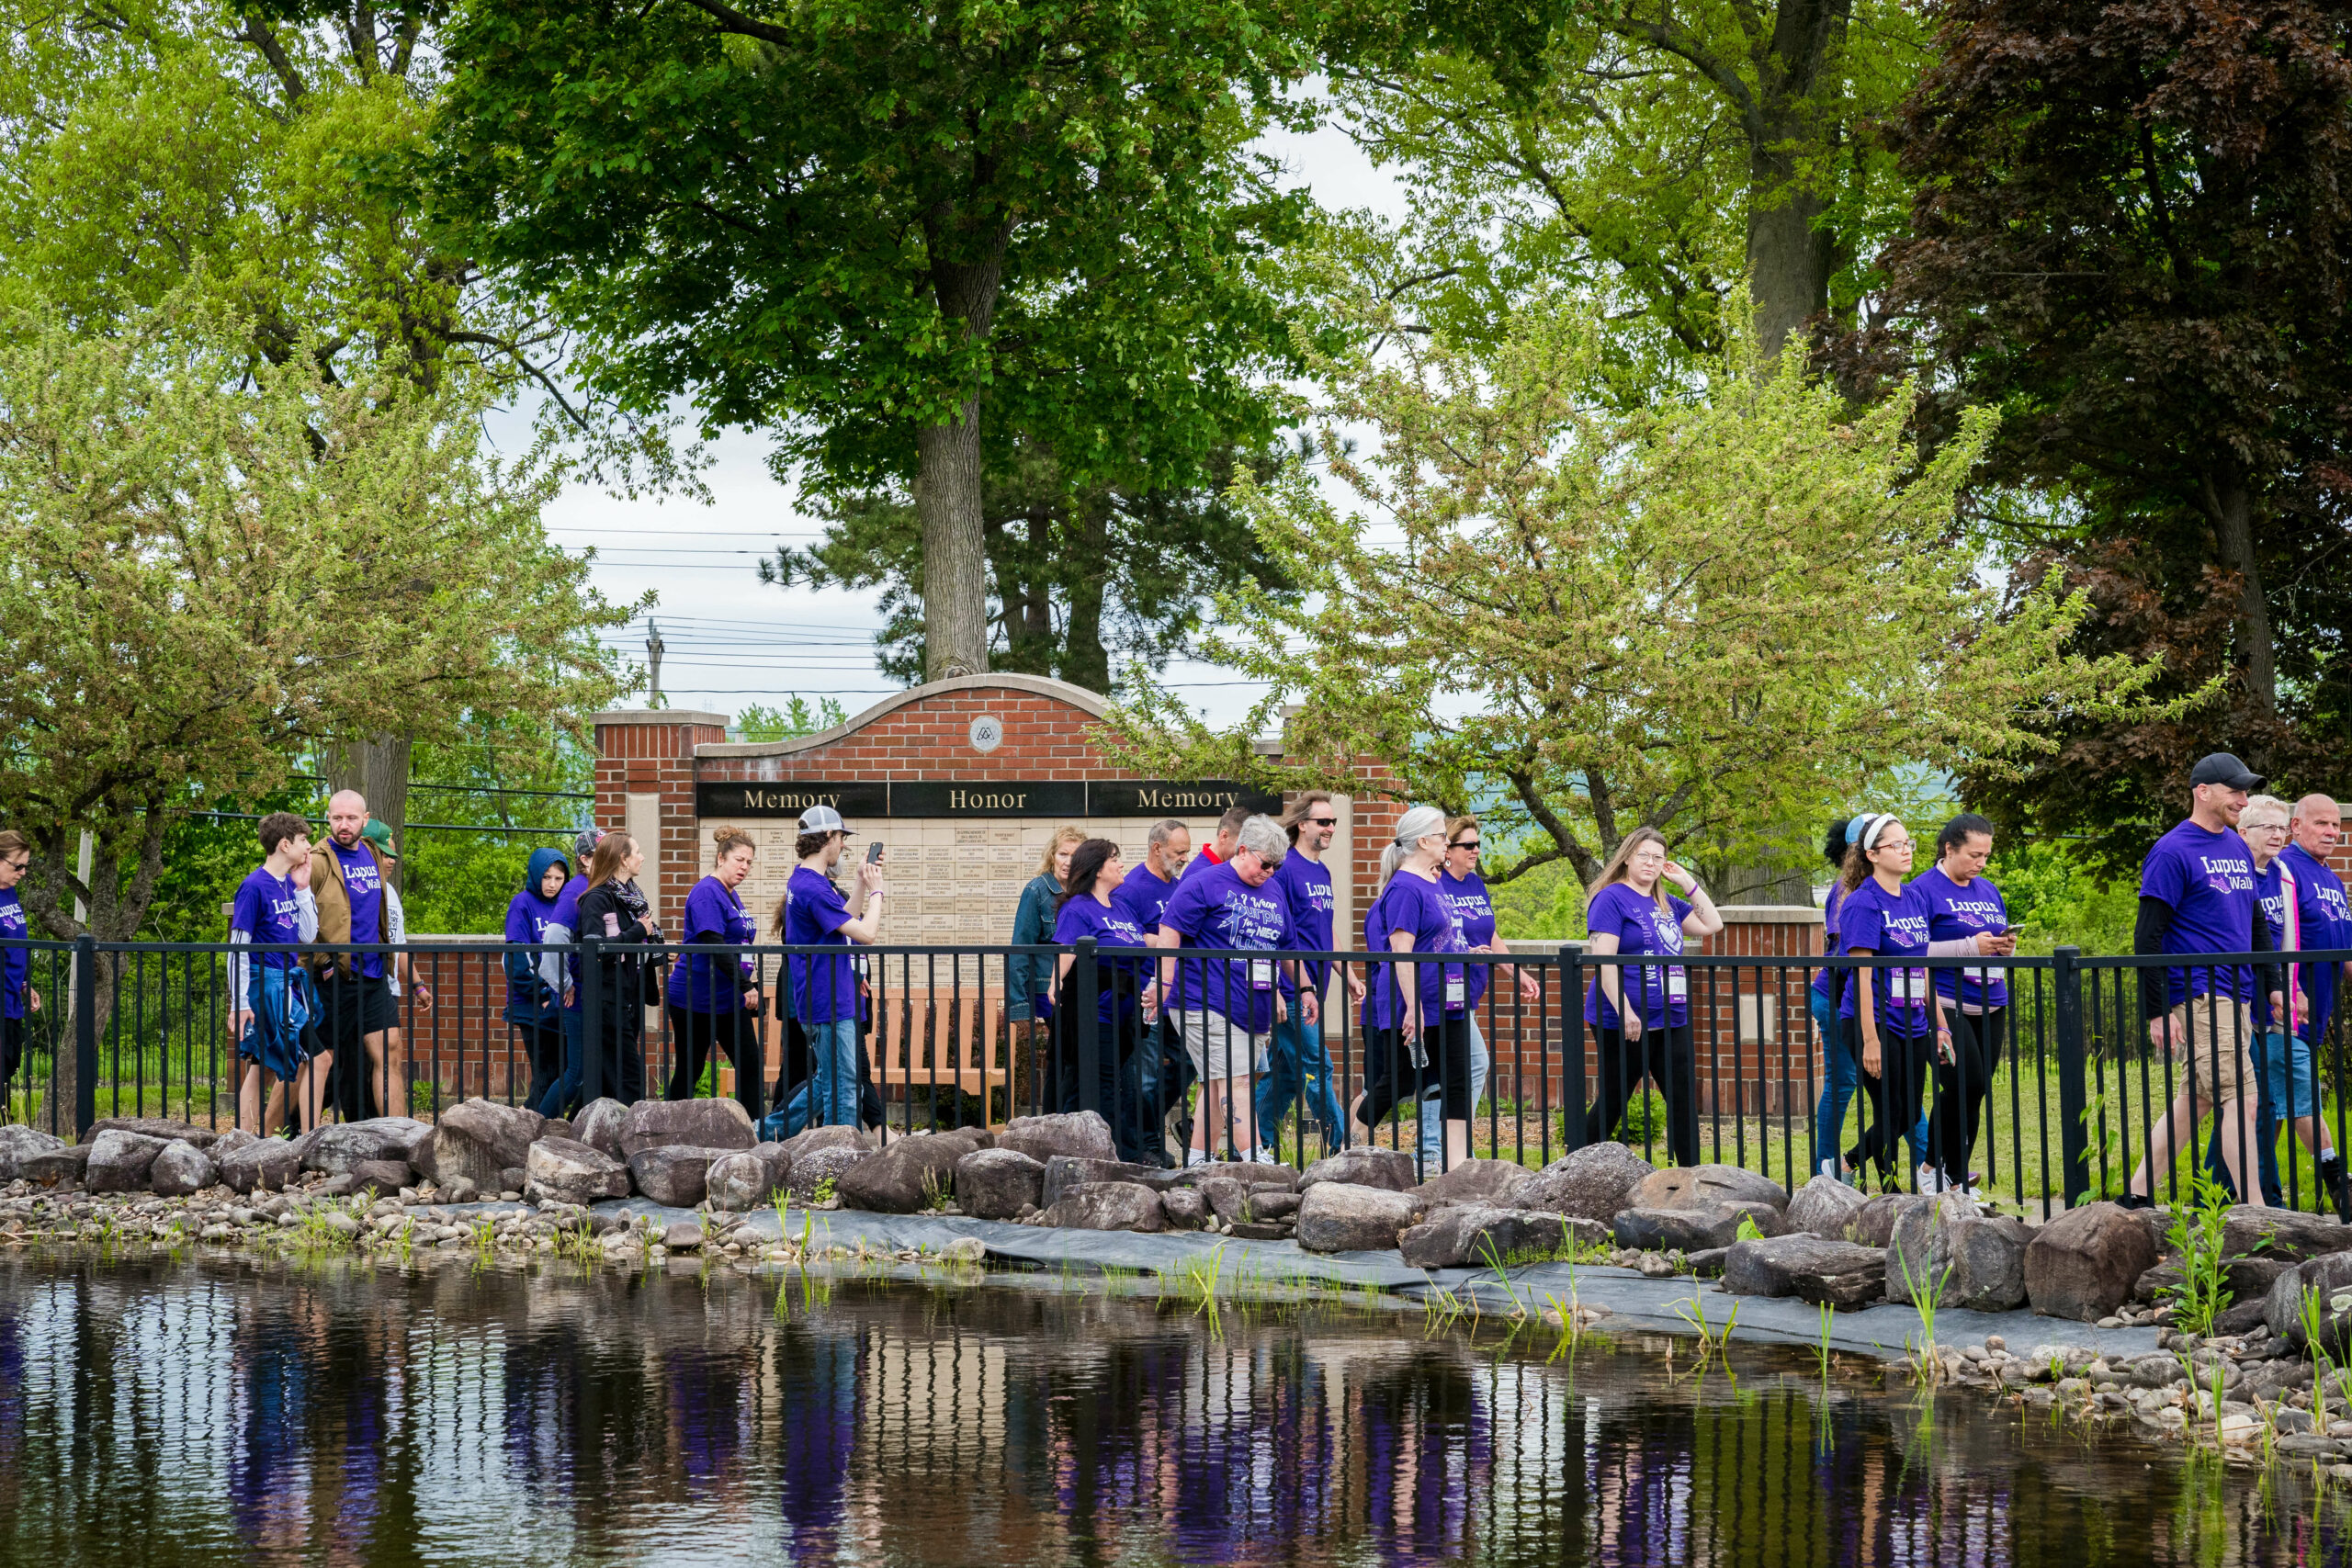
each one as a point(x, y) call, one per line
point(2314, 830)
point(1892, 1018)
point(1966, 909)
point(534, 1011)
point(1227, 1007)
point(1641, 1012)
point(1123, 987)
point(824, 988)
point(714, 998)
point(16, 994)
point(1160, 1073)
point(1474, 918)
point(2196, 896)
point(273, 1002)
point(1416, 1016)
point(1301, 1070)
point(357, 1005)
point(1219, 850)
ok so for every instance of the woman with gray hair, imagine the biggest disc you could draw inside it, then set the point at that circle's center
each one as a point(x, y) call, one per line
point(1416, 1016)
point(1225, 1008)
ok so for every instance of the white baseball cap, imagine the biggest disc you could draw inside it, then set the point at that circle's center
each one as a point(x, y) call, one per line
point(823, 820)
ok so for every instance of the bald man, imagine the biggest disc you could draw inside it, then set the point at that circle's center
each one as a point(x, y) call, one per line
point(2314, 830)
point(356, 1004)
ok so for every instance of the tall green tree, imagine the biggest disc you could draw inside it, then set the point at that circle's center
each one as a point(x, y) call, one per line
point(2130, 236)
point(855, 223)
point(1711, 617)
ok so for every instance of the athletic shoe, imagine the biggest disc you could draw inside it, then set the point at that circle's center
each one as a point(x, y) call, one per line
point(1194, 1157)
point(2330, 1171)
point(2135, 1201)
point(1829, 1168)
point(1264, 1155)
point(1931, 1179)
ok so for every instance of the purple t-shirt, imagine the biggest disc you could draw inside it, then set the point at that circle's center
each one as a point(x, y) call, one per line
point(364, 884)
point(824, 988)
point(1955, 911)
point(16, 963)
point(1474, 921)
point(2327, 924)
point(1141, 895)
point(1218, 909)
point(2207, 880)
point(566, 913)
point(1115, 980)
point(709, 982)
point(1306, 884)
point(266, 909)
point(1205, 861)
point(1890, 925)
point(1822, 983)
point(1662, 991)
point(1410, 904)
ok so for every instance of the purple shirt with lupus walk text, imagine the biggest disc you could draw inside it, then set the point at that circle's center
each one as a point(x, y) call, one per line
point(363, 883)
point(2207, 880)
point(2327, 924)
point(1890, 925)
point(1306, 883)
point(1474, 921)
point(1218, 909)
point(1141, 896)
point(1084, 916)
point(1663, 991)
point(266, 911)
point(16, 963)
point(1955, 911)
point(1410, 904)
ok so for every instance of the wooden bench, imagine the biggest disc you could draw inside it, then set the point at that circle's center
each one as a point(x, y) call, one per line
point(955, 1030)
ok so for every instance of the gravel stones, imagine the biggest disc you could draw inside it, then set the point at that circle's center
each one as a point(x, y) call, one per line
point(998, 1183)
point(1335, 1216)
point(1592, 1183)
point(720, 1125)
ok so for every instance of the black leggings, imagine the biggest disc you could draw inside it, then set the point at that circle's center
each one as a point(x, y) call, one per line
point(542, 1046)
point(1390, 1077)
point(1666, 1056)
point(1961, 1088)
point(736, 1034)
point(1894, 1095)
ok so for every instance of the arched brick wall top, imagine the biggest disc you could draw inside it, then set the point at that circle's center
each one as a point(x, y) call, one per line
point(962, 686)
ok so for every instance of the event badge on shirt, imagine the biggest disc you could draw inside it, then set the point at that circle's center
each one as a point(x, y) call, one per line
point(1457, 989)
point(1262, 974)
point(1677, 984)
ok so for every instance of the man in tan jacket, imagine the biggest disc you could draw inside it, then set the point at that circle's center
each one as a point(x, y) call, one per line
point(356, 1002)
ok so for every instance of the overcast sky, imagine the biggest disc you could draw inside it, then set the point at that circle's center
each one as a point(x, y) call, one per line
point(731, 640)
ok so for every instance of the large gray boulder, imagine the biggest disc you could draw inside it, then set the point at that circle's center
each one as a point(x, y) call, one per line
point(1825, 1207)
point(481, 1140)
point(599, 1125)
point(339, 1148)
point(384, 1176)
point(120, 1162)
point(571, 1172)
point(813, 1170)
point(1080, 1134)
point(1592, 1183)
point(181, 1168)
point(687, 1123)
point(1489, 1182)
point(1835, 1273)
point(808, 1141)
point(1186, 1208)
point(1873, 1224)
point(1691, 1230)
point(750, 1178)
point(1360, 1165)
point(228, 1143)
point(2084, 1263)
point(910, 1175)
point(2323, 1286)
point(265, 1166)
point(1249, 1173)
point(1107, 1206)
point(1066, 1171)
point(64, 1163)
point(1957, 1256)
point(674, 1173)
point(18, 1144)
point(1245, 1203)
point(1704, 1186)
point(1473, 1236)
point(162, 1127)
point(2282, 1236)
point(1336, 1216)
point(998, 1183)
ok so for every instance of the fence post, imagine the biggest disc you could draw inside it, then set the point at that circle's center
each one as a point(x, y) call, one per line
point(1079, 1030)
point(85, 1034)
point(1572, 1084)
point(2073, 1097)
point(592, 1021)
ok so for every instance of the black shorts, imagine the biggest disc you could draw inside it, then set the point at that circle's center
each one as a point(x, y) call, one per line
point(12, 1051)
point(351, 1007)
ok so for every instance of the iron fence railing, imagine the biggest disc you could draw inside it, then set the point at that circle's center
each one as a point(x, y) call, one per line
point(2049, 1095)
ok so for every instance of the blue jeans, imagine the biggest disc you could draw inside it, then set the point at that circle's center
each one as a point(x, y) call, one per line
point(1843, 1076)
point(1432, 1124)
point(1301, 1074)
point(829, 1096)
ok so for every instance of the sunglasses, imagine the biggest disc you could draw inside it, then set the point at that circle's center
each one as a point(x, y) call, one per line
point(1463, 844)
point(1323, 821)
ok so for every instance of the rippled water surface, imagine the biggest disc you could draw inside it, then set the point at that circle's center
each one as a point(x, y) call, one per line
point(234, 1412)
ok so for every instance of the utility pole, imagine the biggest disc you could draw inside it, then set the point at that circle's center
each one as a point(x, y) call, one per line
point(653, 663)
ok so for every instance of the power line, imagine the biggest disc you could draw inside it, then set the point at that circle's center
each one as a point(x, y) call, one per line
point(406, 826)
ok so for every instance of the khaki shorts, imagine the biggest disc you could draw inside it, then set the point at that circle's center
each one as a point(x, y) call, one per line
point(1211, 1038)
point(2214, 1034)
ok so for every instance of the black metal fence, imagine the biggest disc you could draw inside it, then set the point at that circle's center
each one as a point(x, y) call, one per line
point(2043, 1098)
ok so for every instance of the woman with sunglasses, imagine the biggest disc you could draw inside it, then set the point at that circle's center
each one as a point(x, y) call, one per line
point(1641, 1012)
point(1466, 896)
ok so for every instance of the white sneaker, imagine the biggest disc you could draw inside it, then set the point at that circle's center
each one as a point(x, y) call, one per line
point(1195, 1156)
point(1265, 1155)
point(1829, 1168)
point(1931, 1179)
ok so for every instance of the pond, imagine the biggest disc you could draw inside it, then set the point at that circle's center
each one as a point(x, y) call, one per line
point(224, 1410)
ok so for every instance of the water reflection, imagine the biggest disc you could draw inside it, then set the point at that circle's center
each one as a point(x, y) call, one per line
point(234, 1412)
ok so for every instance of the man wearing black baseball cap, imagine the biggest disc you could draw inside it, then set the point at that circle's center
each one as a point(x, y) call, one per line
point(2197, 896)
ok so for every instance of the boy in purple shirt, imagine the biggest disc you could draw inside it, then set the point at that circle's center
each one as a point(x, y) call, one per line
point(272, 1002)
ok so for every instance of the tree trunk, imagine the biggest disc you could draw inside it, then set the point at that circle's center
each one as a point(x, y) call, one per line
point(1788, 260)
point(954, 563)
point(2232, 508)
point(1789, 252)
point(377, 769)
point(1085, 662)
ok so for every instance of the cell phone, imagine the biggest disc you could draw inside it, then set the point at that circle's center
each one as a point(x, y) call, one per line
point(873, 851)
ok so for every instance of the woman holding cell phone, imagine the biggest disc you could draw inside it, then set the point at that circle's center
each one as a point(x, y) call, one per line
point(1893, 1019)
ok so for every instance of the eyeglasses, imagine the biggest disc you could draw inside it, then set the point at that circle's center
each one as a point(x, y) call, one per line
point(1323, 821)
point(1463, 844)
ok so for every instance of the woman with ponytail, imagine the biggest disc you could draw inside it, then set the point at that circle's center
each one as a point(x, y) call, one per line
point(1892, 1020)
point(1416, 1016)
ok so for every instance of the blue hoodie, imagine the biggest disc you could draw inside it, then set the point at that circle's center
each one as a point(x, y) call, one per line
point(529, 1001)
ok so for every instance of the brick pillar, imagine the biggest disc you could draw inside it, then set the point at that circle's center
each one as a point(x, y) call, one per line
point(1371, 821)
point(645, 772)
